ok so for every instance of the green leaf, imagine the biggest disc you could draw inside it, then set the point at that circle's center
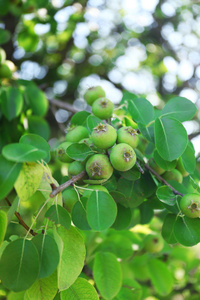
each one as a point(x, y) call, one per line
point(179, 108)
point(130, 290)
point(170, 137)
point(141, 110)
point(27, 38)
point(22, 153)
point(95, 181)
point(146, 212)
point(81, 289)
point(117, 244)
point(147, 131)
point(168, 229)
point(28, 180)
point(79, 217)
point(188, 158)
point(187, 231)
point(107, 274)
point(120, 198)
point(72, 255)
point(36, 99)
point(165, 194)
point(38, 142)
point(11, 102)
point(48, 254)
point(19, 265)
point(59, 215)
point(92, 122)
point(3, 225)
point(160, 276)
point(12, 209)
point(123, 218)
point(9, 172)
point(45, 288)
point(132, 174)
point(4, 36)
point(79, 151)
point(162, 163)
point(80, 118)
point(38, 126)
point(127, 96)
point(101, 210)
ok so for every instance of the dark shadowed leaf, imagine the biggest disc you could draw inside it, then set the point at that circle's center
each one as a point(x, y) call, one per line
point(59, 215)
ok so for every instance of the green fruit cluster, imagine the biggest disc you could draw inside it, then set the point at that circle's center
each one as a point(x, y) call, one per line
point(7, 67)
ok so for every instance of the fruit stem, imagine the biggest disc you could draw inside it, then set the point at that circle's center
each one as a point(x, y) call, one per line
point(63, 186)
point(139, 167)
point(163, 180)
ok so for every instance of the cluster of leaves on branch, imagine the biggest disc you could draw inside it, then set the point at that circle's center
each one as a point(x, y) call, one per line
point(123, 164)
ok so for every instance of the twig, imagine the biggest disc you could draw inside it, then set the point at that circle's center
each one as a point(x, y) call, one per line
point(21, 221)
point(139, 167)
point(63, 186)
point(163, 180)
point(63, 105)
point(193, 135)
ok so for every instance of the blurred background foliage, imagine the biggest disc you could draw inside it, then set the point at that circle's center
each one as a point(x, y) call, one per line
point(150, 48)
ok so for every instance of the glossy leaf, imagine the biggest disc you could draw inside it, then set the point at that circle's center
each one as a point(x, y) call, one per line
point(79, 151)
point(11, 102)
point(9, 171)
point(80, 118)
point(45, 288)
point(130, 290)
point(179, 108)
point(38, 142)
point(92, 122)
point(28, 180)
point(147, 131)
point(38, 125)
point(81, 289)
point(168, 229)
point(165, 194)
point(123, 218)
point(48, 254)
point(107, 274)
point(170, 137)
point(3, 225)
point(188, 158)
point(127, 96)
point(187, 231)
point(101, 210)
point(162, 163)
point(141, 110)
point(72, 255)
point(19, 265)
point(160, 276)
point(36, 99)
point(59, 215)
point(22, 153)
point(79, 216)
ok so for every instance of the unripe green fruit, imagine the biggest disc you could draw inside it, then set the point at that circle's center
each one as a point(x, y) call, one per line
point(128, 135)
point(153, 243)
point(103, 108)
point(155, 167)
point(122, 157)
point(180, 168)
point(5, 72)
point(93, 93)
point(61, 152)
point(2, 55)
point(104, 136)
point(94, 187)
point(99, 167)
point(190, 205)
point(70, 197)
point(76, 134)
point(173, 175)
point(75, 168)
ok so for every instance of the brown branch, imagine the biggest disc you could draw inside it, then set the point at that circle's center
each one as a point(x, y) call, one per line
point(64, 105)
point(63, 186)
point(139, 167)
point(21, 221)
point(193, 135)
point(163, 180)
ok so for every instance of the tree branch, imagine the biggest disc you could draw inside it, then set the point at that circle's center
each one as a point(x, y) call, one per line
point(21, 221)
point(163, 180)
point(60, 188)
point(63, 105)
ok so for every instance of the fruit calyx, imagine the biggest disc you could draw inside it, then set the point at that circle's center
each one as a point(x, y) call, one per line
point(128, 155)
point(132, 131)
point(101, 127)
point(96, 169)
point(193, 206)
point(104, 102)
